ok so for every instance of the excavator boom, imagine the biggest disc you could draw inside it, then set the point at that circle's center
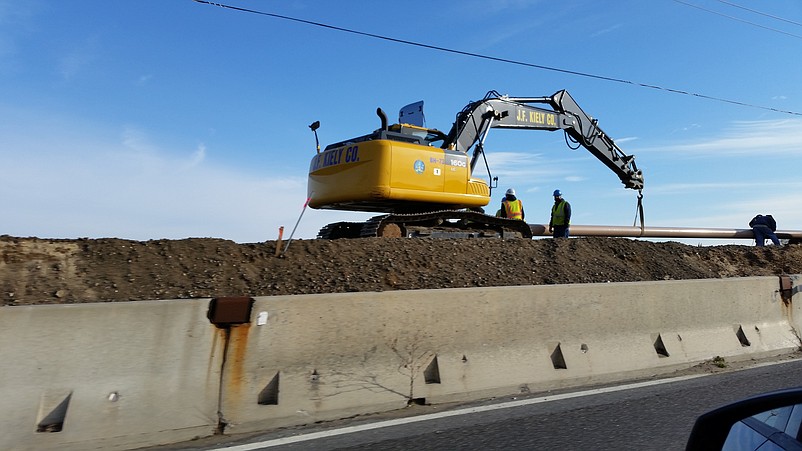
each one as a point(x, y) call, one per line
point(496, 111)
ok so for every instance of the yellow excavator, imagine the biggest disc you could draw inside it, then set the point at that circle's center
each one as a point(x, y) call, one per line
point(422, 179)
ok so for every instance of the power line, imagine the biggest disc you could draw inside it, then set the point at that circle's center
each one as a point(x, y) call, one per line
point(497, 59)
point(739, 19)
point(761, 13)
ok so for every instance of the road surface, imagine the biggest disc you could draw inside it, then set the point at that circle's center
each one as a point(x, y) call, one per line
point(655, 414)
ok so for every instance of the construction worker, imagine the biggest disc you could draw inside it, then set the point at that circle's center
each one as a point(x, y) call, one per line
point(764, 226)
point(560, 216)
point(511, 206)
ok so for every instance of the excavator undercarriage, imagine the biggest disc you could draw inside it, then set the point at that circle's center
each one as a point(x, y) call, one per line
point(436, 224)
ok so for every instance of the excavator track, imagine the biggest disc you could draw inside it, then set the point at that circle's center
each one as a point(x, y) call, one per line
point(436, 224)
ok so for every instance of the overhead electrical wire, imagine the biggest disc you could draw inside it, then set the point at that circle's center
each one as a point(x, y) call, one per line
point(497, 59)
point(742, 20)
point(783, 19)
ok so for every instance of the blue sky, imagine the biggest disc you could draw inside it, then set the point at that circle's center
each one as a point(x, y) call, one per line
point(174, 119)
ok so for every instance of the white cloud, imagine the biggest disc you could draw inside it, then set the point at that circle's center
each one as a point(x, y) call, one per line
point(15, 23)
point(532, 172)
point(499, 5)
point(530, 165)
point(144, 79)
point(683, 188)
point(77, 58)
point(136, 139)
point(198, 156)
point(60, 182)
point(605, 30)
point(620, 141)
point(782, 137)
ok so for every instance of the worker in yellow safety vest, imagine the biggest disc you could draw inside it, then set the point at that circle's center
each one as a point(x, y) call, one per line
point(511, 207)
point(560, 216)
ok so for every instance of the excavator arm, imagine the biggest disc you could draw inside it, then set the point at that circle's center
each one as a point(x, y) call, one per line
point(497, 111)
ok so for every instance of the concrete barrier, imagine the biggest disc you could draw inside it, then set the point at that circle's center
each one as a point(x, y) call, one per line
point(126, 375)
point(107, 376)
point(322, 357)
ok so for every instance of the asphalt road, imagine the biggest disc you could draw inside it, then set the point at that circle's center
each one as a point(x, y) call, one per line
point(653, 417)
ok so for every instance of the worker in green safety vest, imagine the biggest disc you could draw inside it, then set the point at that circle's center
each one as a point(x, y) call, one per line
point(560, 216)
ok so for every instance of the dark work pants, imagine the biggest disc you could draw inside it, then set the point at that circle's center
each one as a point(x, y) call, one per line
point(560, 232)
point(761, 234)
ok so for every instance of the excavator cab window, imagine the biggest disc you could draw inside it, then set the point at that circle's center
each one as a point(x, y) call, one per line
point(435, 138)
point(428, 136)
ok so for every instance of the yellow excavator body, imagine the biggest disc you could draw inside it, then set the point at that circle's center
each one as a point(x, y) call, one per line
point(383, 175)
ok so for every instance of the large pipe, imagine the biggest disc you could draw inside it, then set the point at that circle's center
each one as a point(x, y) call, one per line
point(662, 232)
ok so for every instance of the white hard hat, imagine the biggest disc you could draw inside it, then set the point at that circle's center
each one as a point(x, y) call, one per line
point(511, 192)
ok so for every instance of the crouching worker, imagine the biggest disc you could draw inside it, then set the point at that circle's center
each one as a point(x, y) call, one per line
point(764, 226)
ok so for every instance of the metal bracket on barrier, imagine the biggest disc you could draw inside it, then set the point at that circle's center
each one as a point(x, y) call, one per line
point(225, 311)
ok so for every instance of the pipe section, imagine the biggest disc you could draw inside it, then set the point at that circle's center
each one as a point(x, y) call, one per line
point(662, 232)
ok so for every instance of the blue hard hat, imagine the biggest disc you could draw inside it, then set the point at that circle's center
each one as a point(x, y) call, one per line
point(557, 193)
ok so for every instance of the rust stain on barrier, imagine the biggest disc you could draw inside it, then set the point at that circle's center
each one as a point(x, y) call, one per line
point(787, 291)
point(232, 317)
point(235, 358)
point(786, 288)
point(218, 348)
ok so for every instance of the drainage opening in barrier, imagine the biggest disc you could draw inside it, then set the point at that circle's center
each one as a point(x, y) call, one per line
point(431, 375)
point(742, 337)
point(269, 395)
point(660, 348)
point(417, 402)
point(557, 359)
point(230, 310)
point(52, 418)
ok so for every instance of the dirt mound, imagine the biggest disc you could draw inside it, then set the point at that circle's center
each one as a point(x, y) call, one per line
point(54, 271)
